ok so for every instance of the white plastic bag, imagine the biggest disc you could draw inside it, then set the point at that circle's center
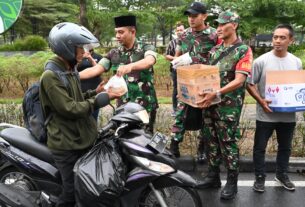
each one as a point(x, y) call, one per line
point(116, 84)
point(182, 60)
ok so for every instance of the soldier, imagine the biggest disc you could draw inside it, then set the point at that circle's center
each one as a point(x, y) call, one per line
point(193, 47)
point(134, 61)
point(221, 120)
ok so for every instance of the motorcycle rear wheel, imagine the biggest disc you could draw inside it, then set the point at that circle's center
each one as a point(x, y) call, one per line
point(174, 196)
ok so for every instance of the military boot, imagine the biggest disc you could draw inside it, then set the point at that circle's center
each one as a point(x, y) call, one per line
point(174, 148)
point(212, 180)
point(230, 190)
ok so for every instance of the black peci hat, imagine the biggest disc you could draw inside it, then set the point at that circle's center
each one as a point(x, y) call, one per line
point(196, 8)
point(125, 21)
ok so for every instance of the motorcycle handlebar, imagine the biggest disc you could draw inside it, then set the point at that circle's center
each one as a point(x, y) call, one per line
point(110, 125)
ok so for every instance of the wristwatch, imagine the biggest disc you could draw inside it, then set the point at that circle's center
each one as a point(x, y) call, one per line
point(218, 94)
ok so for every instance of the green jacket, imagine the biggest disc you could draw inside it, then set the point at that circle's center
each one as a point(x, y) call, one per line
point(71, 126)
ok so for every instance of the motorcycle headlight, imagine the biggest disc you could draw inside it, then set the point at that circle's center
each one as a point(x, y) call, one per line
point(143, 115)
point(155, 166)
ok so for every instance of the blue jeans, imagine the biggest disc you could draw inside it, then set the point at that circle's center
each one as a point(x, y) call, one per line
point(284, 134)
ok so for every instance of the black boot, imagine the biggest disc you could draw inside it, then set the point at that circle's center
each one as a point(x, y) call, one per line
point(212, 180)
point(174, 148)
point(230, 190)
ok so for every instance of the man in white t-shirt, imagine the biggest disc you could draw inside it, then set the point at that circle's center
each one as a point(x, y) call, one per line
point(266, 120)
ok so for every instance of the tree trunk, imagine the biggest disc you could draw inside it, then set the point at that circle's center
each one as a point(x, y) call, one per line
point(163, 38)
point(302, 36)
point(83, 20)
point(12, 34)
point(170, 31)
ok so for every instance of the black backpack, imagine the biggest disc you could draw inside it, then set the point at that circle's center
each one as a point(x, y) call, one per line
point(33, 117)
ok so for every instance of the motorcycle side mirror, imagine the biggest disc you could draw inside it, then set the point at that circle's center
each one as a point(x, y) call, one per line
point(101, 100)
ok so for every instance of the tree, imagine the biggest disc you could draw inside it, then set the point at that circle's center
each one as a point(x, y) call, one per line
point(38, 17)
point(261, 16)
point(83, 20)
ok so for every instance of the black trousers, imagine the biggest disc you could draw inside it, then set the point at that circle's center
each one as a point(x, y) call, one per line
point(65, 161)
point(175, 90)
point(152, 119)
point(284, 134)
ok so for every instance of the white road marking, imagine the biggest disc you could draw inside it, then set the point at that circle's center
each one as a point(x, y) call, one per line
point(268, 183)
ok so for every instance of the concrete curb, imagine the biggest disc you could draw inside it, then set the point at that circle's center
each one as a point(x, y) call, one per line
point(189, 164)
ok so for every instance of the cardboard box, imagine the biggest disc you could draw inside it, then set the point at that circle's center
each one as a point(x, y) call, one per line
point(197, 78)
point(286, 90)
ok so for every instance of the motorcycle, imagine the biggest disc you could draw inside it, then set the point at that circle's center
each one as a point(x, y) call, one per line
point(152, 177)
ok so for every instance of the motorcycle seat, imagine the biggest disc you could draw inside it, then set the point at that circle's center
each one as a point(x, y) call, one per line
point(22, 139)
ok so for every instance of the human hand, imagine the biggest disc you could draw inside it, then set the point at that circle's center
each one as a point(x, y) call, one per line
point(265, 104)
point(115, 93)
point(184, 59)
point(124, 69)
point(207, 99)
point(87, 55)
point(100, 87)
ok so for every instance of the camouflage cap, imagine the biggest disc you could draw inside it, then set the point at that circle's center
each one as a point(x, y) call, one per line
point(227, 16)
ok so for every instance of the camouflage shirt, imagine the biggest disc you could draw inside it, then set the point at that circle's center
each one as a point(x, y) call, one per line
point(238, 61)
point(139, 83)
point(198, 44)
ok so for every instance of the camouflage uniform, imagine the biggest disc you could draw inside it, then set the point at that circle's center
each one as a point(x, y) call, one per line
point(198, 44)
point(221, 120)
point(140, 83)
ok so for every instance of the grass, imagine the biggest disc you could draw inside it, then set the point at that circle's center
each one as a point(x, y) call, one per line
point(168, 100)
point(162, 100)
point(11, 100)
point(249, 100)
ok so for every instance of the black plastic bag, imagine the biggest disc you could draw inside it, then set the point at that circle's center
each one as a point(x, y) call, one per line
point(193, 118)
point(99, 176)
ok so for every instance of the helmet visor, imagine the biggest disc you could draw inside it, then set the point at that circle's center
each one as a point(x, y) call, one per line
point(90, 46)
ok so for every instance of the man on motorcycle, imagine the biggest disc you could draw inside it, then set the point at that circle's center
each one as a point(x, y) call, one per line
point(71, 128)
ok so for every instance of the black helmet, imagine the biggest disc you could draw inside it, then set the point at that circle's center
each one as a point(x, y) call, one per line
point(65, 37)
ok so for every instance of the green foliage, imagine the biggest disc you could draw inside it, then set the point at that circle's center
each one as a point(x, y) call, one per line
point(161, 49)
point(294, 48)
point(37, 61)
point(35, 43)
point(161, 68)
point(301, 54)
point(29, 43)
point(5, 76)
point(22, 68)
point(261, 16)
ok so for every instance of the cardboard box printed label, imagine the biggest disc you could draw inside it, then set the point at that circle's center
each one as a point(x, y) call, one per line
point(286, 90)
point(197, 78)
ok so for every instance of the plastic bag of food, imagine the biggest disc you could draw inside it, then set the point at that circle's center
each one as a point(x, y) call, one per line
point(116, 84)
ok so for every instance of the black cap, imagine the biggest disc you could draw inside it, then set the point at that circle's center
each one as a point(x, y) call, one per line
point(125, 21)
point(196, 8)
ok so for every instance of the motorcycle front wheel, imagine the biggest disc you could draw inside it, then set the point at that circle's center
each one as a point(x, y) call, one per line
point(12, 176)
point(174, 196)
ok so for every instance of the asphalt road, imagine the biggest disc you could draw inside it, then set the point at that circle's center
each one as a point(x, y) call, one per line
point(274, 195)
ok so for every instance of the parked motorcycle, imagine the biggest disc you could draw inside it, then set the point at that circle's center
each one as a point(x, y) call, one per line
point(152, 177)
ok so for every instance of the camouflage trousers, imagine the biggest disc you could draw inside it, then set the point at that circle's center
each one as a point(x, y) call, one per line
point(178, 129)
point(222, 138)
